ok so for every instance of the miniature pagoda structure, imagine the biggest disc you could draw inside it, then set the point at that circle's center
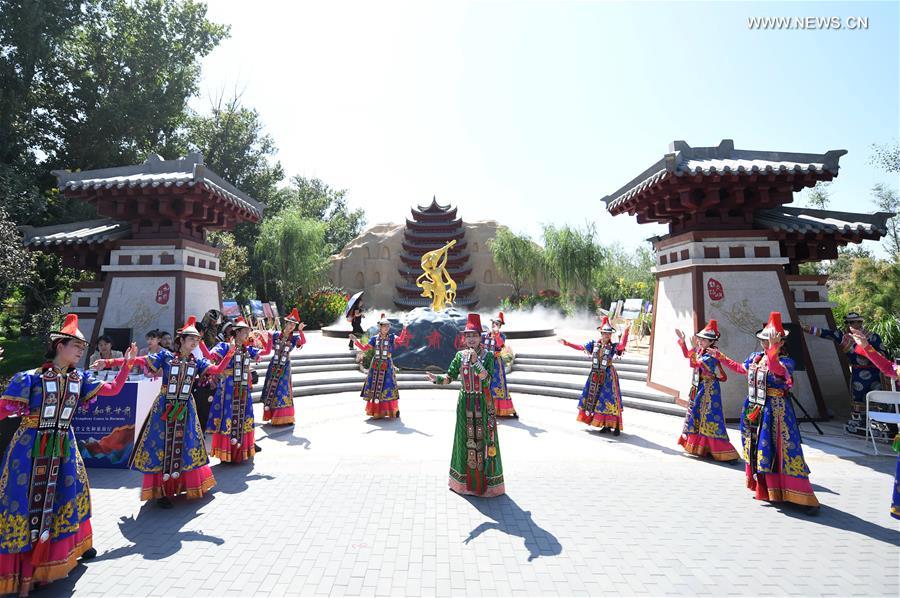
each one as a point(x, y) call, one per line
point(431, 228)
point(152, 264)
point(733, 253)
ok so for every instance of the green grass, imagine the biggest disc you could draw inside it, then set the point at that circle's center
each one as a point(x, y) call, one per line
point(20, 355)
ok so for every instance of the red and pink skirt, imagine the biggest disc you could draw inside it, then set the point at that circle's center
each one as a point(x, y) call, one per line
point(17, 569)
point(226, 452)
point(600, 420)
point(700, 446)
point(382, 409)
point(194, 483)
point(282, 416)
point(777, 487)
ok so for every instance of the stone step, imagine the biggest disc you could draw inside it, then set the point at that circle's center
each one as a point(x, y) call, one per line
point(297, 359)
point(297, 369)
point(575, 356)
point(623, 374)
point(628, 401)
point(631, 388)
point(621, 366)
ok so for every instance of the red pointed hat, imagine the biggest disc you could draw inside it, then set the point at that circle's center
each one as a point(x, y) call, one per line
point(772, 326)
point(473, 323)
point(711, 332)
point(239, 323)
point(605, 326)
point(69, 330)
point(189, 328)
point(294, 316)
point(499, 319)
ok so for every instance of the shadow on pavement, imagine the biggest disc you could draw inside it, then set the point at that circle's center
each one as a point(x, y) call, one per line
point(156, 533)
point(831, 517)
point(115, 479)
point(509, 518)
point(285, 434)
point(395, 425)
point(641, 442)
point(517, 423)
point(233, 479)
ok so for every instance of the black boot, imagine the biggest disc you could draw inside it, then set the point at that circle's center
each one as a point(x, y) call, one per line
point(616, 432)
point(811, 510)
point(603, 430)
point(164, 503)
point(89, 554)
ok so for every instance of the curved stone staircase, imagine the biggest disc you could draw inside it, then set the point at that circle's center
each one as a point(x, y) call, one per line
point(540, 374)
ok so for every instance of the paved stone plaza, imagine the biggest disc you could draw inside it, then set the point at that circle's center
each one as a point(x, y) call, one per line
point(345, 506)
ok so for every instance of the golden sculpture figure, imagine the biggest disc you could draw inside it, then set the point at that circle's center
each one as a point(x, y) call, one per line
point(435, 281)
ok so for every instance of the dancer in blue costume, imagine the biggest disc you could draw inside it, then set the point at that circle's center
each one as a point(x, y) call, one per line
point(278, 388)
point(891, 370)
point(45, 501)
point(864, 376)
point(170, 449)
point(704, 431)
point(493, 342)
point(231, 414)
point(776, 469)
point(380, 390)
point(600, 405)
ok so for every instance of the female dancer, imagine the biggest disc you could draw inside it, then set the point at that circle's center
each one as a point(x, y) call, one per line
point(278, 389)
point(45, 501)
point(704, 430)
point(475, 465)
point(865, 349)
point(380, 390)
point(776, 469)
point(601, 399)
point(231, 413)
point(170, 450)
point(493, 343)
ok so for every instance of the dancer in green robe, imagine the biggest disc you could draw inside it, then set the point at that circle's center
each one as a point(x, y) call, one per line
point(475, 465)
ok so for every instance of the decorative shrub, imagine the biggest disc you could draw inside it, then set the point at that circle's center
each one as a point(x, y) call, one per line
point(321, 308)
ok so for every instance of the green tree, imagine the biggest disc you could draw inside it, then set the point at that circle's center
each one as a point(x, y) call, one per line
point(572, 257)
point(517, 257)
point(129, 68)
point(16, 262)
point(234, 143)
point(312, 198)
point(819, 196)
point(234, 261)
point(886, 200)
point(625, 275)
point(871, 287)
point(93, 83)
point(32, 35)
point(292, 256)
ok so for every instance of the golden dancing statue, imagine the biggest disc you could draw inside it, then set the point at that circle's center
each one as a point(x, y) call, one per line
point(435, 282)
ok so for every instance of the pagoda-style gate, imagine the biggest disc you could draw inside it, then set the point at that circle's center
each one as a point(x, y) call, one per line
point(733, 253)
point(149, 252)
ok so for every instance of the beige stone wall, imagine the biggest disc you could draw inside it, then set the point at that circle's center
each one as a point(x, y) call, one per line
point(370, 262)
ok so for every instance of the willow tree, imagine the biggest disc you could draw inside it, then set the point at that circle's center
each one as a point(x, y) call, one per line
point(291, 255)
point(572, 256)
point(517, 257)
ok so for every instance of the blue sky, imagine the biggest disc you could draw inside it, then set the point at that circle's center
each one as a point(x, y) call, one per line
point(531, 112)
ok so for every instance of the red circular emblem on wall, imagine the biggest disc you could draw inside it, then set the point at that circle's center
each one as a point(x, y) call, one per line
point(715, 290)
point(162, 294)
